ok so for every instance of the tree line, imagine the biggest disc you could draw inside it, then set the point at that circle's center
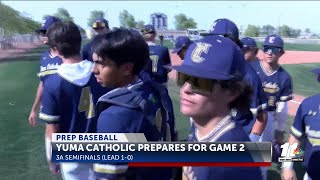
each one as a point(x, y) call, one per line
point(284, 31)
point(182, 22)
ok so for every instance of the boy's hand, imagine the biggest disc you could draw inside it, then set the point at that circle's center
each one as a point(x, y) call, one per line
point(55, 168)
point(33, 118)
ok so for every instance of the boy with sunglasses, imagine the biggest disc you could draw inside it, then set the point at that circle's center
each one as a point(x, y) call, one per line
point(277, 85)
point(181, 46)
point(49, 63)
point(254, 119)
point(305, 130)
point(100, 25)
point(208, 95)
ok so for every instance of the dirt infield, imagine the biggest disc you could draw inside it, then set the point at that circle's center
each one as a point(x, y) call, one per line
point(290, 57)
point(16, 52)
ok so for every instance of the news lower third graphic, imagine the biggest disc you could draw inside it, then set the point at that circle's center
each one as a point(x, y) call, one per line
point(135, 150)
point(291, 153)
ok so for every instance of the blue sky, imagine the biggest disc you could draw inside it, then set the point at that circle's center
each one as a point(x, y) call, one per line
point(295, 14)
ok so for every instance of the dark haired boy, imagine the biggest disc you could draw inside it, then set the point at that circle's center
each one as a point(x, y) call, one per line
point(134, 106)
point(69, 96)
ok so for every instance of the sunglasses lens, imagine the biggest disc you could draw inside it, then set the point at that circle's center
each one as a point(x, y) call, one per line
point(273, 50)
point(199, 85)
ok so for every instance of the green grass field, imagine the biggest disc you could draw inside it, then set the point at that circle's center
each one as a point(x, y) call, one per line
point(22, 154)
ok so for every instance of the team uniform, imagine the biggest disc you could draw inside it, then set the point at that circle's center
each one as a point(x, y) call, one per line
point(306, 128)
point(48, 65)
point(278, 88)
point(136, 108)
point(159, 56)
point(226, 131)
point(68, 100)
point(258, 101)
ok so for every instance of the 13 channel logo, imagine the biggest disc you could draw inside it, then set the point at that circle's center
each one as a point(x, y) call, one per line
point(291, 153)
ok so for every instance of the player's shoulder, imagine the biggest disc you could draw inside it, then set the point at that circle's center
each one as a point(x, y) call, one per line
point(45, 56)
point(53, 82)
point(236, 134)
point(255, 64)
point(115, 119)
point(311, 101)
point(251, 75)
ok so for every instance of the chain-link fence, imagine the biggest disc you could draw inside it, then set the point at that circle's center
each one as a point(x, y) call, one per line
point(18, 40)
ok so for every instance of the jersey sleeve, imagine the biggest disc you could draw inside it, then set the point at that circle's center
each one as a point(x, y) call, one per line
point(298, 127)
point(49, 112)
point(286, 92)
point(262, 98)
point(115, 122)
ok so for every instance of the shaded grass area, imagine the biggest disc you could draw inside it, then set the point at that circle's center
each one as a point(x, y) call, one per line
point(304, 81)
point(22, 150)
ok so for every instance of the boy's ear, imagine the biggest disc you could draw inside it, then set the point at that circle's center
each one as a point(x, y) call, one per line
point(127, 69)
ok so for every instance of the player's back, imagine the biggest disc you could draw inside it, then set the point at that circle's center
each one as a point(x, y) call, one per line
point(277, 85)
point(227, 131)
point(71, 95)
point(134, 109)
point(159, 56)
point(48, 65)
point(258, 100)
point(306, 126)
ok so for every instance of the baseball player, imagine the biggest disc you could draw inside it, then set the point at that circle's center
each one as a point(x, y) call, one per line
point(49, 63)
point(69, 96)
point(305, 130)
point(255, 119)
point(277, 85)
point(250, 49)
point(208, 95)
point(134, 106)
point(181, 46)
point(159, 56)
point(100, 26)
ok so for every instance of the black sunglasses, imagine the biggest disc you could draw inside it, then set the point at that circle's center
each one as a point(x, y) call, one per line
point(199, 85)
point(272, 49)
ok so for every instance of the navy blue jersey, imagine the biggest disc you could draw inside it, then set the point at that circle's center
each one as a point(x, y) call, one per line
point(136, 108)
point(68, 99)
point(159, 56)
point(87, 52)
point(306, 128)
point(277, 85)
point(225, 131)
point(258, 100)
point(48, 65)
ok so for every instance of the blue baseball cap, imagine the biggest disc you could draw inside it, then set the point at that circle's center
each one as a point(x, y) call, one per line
point(147, 29)
point(100, 23)
point(248, 42)
point(213, 57)
point(48, 21)
point(317, 71)
point(225, 27)
point(273, 40)
point(181, 42)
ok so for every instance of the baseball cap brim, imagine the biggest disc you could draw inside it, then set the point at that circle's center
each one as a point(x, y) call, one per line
point(205, 34)
point(197, 72)
point(317, 71)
